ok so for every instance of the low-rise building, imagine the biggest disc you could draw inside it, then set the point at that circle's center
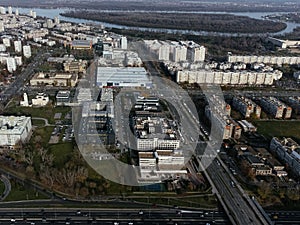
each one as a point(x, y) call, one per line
point(288, 151)
point(54, 79)
point(276, 108)
point(246, 106)
point(14, 129)
point(63, 98)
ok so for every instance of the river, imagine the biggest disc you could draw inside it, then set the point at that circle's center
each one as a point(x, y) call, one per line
point(51, 13)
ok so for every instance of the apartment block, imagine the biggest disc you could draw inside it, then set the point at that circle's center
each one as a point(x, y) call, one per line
point(276, 108)
point(288, 151)
point(246, 106)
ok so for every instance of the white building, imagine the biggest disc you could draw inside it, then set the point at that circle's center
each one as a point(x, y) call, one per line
point(179, 53)
point(27, 51)
point(123, 77)
point(17, 12)
point(18, 46)
point(56, 20)
point(40, 100)
point(19, 61)
point(198, 54)
point(9, 10)
point(2, 10)
point(25, 102)
point(164, 53)
point(2, 48)
point(11, 64)
point(2, 28)
point(14, 129)
point(6, 42)
point(123, 42)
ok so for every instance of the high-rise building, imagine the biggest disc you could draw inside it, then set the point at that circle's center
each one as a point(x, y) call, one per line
point(19, 60)
point(17, 12)
point(180, 53)
point(198, 54)
point(9, 10)
point(2, 10)
point(34, 14)
point(18, 46)
point(164, 53)
point(27, 51)
point(11, 64)
point(2, 29)
point(50, 23)
point(6, 42)
point(56, 20)
point(123, 42)
point(31, 13)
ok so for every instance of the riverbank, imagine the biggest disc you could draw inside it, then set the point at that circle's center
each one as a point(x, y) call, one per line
point(195, 22)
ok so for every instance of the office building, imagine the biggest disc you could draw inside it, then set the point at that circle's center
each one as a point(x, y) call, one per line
point(40, 100)
point(54, 79)
point(63, 98)
point(164, 53)
point(14, 129)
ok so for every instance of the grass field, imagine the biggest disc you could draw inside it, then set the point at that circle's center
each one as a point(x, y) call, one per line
point(46, 112)
point(62, 153)
point(279, 128)
point(19, 192)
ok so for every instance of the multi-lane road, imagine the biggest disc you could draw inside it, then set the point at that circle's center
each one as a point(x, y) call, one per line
point(236, 203)
point(116, 216)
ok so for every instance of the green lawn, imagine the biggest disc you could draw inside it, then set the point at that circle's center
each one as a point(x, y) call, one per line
point(279, 128)
point(38, 123)
point(19, 192)
point(46, 112)
point(62, 153)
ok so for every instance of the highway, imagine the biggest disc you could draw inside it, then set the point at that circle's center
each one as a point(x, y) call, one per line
point(110, 216)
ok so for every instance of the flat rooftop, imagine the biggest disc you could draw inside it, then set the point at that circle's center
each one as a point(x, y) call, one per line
point(122, 75)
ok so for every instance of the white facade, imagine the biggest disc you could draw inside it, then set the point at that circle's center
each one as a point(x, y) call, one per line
point(2, 48)
point(25, 102)
point(9, 10)
point(40, 100)
point(179, 53)
point(2, 10)
point(123, 42)
point(19, 61)
point(6, 42)
point(198, 54)
point(17, 12)
point(227, 77)
point(264, 59)
point(11, 64)
point(164, 53)
point(18, 46)
point(27, 51)
point(2, 28)
point(14, 129)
